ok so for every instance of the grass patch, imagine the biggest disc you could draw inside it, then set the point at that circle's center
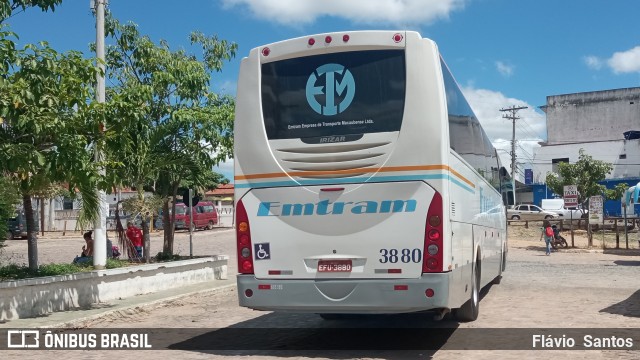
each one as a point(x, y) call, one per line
point(17, 272)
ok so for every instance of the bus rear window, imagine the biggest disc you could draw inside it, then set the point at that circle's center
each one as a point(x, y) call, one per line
point(348, 93)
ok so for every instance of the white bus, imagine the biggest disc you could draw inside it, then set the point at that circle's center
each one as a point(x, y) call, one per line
point(364, 183)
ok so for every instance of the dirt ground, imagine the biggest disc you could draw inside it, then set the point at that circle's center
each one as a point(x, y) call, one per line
point(580, 287)
point(57, 248)
point(521, 236)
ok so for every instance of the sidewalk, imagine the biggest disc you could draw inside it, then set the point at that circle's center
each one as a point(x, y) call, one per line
point(76, 317)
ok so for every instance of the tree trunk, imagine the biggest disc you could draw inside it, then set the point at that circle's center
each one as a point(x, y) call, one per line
point(32, 235)
point(146, 238)
point(167, 247)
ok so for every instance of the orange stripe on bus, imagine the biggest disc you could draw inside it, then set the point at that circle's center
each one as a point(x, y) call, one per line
point(355, 171)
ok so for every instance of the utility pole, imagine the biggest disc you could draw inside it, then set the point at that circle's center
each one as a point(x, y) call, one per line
point(511, 115)
point(100, 224)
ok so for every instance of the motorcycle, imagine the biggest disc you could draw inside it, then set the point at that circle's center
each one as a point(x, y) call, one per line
point(558, 240)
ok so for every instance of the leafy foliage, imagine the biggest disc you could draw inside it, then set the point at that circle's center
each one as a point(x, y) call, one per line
point(585, 173)
point(48, 123)
point(165, 125)
point(7, 7)
point(9, 198)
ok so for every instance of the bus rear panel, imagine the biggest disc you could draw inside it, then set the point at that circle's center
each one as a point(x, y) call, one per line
point(343, 180)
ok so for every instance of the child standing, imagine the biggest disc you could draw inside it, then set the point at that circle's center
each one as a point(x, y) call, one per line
point(547, 232)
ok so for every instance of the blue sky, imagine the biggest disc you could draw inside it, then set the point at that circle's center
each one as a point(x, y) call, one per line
point(502, 52)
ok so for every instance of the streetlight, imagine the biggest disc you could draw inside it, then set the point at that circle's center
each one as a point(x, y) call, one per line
point(100, 224)
point(513, 177)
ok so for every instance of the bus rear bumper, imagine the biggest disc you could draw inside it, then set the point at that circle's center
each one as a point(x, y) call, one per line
point(379, 296)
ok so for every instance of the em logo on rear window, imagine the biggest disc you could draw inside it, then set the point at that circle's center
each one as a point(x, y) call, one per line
point(338, 81)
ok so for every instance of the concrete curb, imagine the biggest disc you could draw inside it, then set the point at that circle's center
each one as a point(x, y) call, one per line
point(43, 296)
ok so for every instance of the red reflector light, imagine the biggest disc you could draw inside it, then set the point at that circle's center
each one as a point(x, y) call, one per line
point(328, 39)
point(311, 41)
point(400, 287)
point(429, 293)
point(434, 235)
point(432, 264)
point(275, 272)
point(266, 51)
point(248, 293)
point(395, 271)
point(247, 266)
point(397, 37)
point(244, 239)
point(345, 38)
point(264, 287)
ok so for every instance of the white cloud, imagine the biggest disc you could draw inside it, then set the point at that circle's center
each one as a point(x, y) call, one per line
point(625, 61)
point(396, 12)
point(593, 62)
point(226, 169)
point(530, 128)
point(227, 87)
point(504, 69)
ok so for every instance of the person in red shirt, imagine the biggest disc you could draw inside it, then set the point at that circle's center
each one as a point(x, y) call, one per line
point(134, 234)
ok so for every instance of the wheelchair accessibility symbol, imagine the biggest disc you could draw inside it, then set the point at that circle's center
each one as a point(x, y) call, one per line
point(262, 251)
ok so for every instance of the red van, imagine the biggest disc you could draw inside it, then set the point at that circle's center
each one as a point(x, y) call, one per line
point(204, 216)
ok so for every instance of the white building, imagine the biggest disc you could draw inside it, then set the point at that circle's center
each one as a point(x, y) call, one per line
point(606, 124)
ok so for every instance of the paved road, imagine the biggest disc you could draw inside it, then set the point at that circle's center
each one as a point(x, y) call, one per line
point(589, 291)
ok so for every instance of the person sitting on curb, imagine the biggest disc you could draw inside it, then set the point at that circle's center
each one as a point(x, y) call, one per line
point(135, 236)
point(87, 250)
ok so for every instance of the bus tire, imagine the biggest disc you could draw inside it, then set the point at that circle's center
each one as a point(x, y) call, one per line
point(469, 310)
point(504, 261)
point(498, 278)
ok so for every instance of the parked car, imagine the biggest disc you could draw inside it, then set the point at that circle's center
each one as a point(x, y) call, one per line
point(17, 225)
point(204, 216)
point(529, 212)
point(557, 206)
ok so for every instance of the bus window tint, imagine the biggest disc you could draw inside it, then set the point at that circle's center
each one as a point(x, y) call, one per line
point(466, 135)
point(297, 101)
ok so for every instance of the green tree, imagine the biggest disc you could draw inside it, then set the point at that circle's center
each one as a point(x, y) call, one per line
point(586, 174)
point(48, 125)
point(165, 125)
point(9, 198)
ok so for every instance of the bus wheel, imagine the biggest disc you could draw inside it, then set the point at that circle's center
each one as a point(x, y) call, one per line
point(498, 278)
point(469, 310)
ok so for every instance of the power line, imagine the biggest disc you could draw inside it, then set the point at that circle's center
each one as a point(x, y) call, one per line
point(511, 115)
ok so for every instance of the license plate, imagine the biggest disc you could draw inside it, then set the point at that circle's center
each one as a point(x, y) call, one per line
point(334, 266)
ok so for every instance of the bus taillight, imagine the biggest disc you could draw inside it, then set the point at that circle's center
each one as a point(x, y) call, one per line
point(432, 261)
point(243, 239)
